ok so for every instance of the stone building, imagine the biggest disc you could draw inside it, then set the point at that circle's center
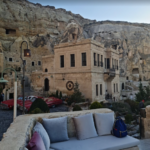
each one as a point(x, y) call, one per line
point(95, 68)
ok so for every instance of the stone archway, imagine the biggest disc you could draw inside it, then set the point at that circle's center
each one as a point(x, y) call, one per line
point(46, 84)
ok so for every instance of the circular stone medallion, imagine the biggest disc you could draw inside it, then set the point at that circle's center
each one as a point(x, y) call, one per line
point(69, 85)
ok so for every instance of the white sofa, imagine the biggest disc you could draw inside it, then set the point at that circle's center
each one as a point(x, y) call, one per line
point(20, 132)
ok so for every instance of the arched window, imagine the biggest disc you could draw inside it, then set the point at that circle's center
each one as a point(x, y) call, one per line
point(46, 70)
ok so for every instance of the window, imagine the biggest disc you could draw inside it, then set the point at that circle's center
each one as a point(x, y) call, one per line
point(10, 59)
point(62, 61)
point(122, 86)
point(72, 60)
point(108, 63)
point(101, 90)
point(127, 78)
point(112, 63)
point(105, 63)
point(32, 63)
point(46, 70)
point(98, 62)
point(94, 59)
point(114, 88)
point(96, 89)
point(114, 46)
point(39, 63)
point(101, 60)
point(83, 59)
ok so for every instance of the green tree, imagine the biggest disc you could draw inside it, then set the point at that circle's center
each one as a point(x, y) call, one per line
point(77, 96)
point(57, 93)
point(40, 104)
point(60, 94)
point(141, 94)
point(96, 105)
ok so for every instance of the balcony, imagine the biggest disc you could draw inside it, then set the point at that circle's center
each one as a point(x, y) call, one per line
point(109, 74)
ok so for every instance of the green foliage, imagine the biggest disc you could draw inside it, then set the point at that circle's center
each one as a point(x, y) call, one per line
point(95, 105)
point(36, 111)
point(128, 118)
point(52, 95)
point(56, 93)
point(143, 94)
point(133, 104)
point(77, 96)
point(39, 103)
point(147, 103)
point(121, 107)
point(77, 108)
point(60, 94)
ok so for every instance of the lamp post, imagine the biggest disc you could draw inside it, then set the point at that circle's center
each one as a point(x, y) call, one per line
point(27, 53)
point(2, 80)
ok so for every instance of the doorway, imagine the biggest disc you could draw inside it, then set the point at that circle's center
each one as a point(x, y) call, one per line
point(46, 84)
point(11, 95)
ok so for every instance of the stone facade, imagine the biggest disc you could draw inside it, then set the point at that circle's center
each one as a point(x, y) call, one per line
point(94, 74)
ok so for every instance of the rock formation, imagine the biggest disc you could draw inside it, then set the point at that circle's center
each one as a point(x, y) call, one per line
point(44, 26)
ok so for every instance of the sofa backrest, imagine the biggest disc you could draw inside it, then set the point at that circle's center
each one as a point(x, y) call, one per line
point(20, 131)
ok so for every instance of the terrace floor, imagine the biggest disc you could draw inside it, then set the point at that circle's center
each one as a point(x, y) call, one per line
point(144, 144)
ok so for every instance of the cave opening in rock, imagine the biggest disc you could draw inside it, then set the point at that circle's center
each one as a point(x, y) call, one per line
point(135, 71)
point(114, 46)
point(10, 31)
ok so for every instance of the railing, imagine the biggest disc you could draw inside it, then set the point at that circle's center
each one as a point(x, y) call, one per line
point(108, 96)
point(112, 72)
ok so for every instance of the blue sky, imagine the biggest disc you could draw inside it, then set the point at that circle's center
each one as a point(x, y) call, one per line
point(100, 10)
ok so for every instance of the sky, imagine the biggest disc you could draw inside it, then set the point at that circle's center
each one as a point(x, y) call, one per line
point(100, 10)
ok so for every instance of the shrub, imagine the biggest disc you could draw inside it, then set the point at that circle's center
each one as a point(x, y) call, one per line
point(56, 93)
point(147, 103)
point(60, 95)
point(128, 118)
point(77, 108)
point(95, 105)
point(36, 111)
point(76, 97)
point(39, 103)
point(133, 104)
point(121, 107)
point(52, 95)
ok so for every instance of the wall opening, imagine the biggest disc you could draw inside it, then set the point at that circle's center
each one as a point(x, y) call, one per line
point(122, 86)
point(114, 46)
point(46, 70)
point(46, 84)
point(11, 95)
point(10, 31)
point(135, 71)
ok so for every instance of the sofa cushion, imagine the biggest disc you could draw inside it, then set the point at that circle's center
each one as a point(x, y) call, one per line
point(40, 129)
point(104, 123)
point(107, 142)
point(56, 129)
point(85, 127)
point(36, 142)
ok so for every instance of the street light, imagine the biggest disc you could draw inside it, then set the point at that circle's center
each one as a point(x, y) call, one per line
point(27, 53)
point(2, 80)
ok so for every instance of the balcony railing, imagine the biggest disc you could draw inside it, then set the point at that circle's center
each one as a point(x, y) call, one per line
point(112, 72)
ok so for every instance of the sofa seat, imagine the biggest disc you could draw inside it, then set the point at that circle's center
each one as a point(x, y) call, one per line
point(108, 142)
